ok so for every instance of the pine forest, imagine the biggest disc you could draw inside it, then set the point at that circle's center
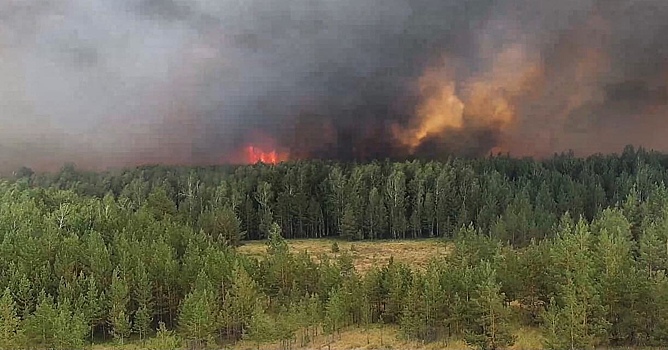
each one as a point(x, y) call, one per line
point(573, 248)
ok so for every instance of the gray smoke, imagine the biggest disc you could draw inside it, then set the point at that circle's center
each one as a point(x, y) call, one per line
point(110, 83)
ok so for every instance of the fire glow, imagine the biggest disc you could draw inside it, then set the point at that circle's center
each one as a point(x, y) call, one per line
point(255, 154)
point(483, 100)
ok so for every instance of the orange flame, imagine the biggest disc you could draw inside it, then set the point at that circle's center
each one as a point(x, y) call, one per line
point(255, 154)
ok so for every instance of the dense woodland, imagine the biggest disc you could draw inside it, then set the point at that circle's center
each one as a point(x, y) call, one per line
point(577, 247)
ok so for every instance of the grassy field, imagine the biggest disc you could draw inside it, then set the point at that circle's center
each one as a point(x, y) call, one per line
point(365, 254)
point(355, 338)
point(386, 337)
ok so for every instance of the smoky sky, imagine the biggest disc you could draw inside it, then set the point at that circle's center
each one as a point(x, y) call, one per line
point(111, 83)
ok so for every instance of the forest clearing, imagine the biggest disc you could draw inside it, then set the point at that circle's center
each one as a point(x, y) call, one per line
point(365, 254)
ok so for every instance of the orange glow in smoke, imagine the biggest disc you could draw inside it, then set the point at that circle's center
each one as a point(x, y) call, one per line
point(255, 154)
point(484, 100)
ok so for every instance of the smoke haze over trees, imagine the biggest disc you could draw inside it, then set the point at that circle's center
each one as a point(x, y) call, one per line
point(191, 82)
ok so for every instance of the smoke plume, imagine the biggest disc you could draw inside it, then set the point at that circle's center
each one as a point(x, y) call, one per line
point(113, 83)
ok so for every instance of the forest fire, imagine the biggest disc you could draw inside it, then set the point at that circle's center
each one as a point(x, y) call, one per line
point(485, 100)
point(255, 154)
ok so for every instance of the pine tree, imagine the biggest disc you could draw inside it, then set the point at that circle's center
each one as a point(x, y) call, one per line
point(10, 332)
point(119, 319)
point(491, 326)
point(652, 321)
point(287, 323)
point(197, 317)
point(97, 254)
point(430, 213)
point(315, 219)
point(261, 328)
point(143, 295)
point(653, 245)
point(348, 226)
point(276, 244)
point(225, 226)
point(577, 309)
point(618, 284)
point(313, 316)
point(335, 312)
point(159, 205)
point(241, 302)
point(163, 340)
point(24, 295)
point(39, 327)
point(434, 303)
point(567, 325)
point(413, 317)
point(554, 328)
point(376, 218)
point(94, 312)
point(366, 314)
point(69, 328)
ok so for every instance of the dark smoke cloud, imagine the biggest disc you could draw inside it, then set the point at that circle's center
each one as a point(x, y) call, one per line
point(109, 83)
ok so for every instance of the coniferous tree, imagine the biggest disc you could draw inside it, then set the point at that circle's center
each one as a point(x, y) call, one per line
point(241, 301)
point(491, 328)
point(10, 331)
point(617, 274)
point(119, 318)
point(348, 226)
point(159, 205)
point(24, 295)
point(376, 218)
point(335, 312)
point(577, 310)
point(94, 311)
point(163, 340)
point(413, 317)
point(143, 295)
point(225, 226)
point(315, 219)
point(69, 327)
point(197, 316)
point(39, 326)
point(261, 328)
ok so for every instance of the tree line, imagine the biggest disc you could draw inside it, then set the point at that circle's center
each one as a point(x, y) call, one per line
point(517, 199)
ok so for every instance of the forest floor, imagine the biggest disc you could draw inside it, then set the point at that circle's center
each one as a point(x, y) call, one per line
point(366, 254)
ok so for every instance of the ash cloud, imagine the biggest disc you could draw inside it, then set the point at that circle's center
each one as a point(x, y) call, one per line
point(113, 83)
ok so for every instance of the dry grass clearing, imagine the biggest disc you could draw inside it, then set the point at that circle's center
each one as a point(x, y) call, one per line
point(366, 254)
point(528, 339)
point(359, 339)
point(386, 337)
